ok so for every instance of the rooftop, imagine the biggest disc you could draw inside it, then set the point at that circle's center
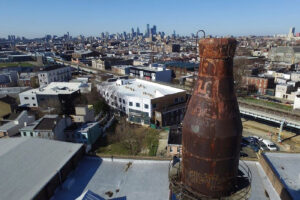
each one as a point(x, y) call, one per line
point(140, 179)
point(47, 122)
point(85, 127)
point(15, 122)
point(140, 88)
point(27, 164)
point(56, 88)
point(286, 165)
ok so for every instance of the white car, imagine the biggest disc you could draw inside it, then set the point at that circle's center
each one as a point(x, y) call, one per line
point(270, 145)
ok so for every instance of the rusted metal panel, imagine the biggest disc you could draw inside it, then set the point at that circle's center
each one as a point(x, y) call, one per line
point(212, 125)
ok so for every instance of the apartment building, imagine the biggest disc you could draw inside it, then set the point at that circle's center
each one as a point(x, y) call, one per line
point(55, 73)
point(152, 72)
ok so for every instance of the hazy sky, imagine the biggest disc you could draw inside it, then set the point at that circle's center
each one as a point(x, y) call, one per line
point(34, 18)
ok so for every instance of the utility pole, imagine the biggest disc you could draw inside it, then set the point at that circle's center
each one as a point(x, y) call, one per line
point(280, 130)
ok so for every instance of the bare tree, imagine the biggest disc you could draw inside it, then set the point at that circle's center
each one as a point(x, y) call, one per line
point(239, 70)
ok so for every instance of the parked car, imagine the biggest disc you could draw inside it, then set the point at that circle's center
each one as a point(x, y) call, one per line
point(270, 145)
point(244, 142)
point(263, 147)
point(251, 139)
point(254, 147)
point(258, 138)
point(242, 154)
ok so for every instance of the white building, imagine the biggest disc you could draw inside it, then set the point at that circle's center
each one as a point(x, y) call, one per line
point(285, 91)
point(55, 73)
point(139, 99)
point(98, 64)
point(56, 92)
point(297, 100)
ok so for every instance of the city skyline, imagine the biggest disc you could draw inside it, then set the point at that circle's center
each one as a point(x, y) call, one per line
point(36, 19)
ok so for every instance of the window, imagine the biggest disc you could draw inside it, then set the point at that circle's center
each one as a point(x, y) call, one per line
point(176, 100)
point(124, 109)
point(137, 105)
point(120, 100)
point(34, 104)
point(24, 133)
point(26, 98)
point(31, 134)
point(146, 106)
point(154, 105)
point(130, 103)
point(171, 149)
point(123, 101)
point(32, 98)
point(181, 99)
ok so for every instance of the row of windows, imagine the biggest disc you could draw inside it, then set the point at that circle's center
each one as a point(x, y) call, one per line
point(146, 106)
point(26, 98)
point(31, 134)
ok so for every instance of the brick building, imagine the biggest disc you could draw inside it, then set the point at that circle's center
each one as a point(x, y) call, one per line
point(258, 84)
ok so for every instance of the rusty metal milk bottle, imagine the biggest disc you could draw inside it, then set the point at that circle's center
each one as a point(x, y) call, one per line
point(212, 125)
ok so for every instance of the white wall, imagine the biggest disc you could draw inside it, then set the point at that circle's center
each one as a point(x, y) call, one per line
point(28, 98)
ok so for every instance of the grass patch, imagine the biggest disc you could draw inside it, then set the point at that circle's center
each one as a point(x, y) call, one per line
point(266, 103)
point(151, 141)
point(114, 149)
point(17, 64)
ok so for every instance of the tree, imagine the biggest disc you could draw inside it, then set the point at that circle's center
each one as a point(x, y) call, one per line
point(101, 105)
point(130, 137)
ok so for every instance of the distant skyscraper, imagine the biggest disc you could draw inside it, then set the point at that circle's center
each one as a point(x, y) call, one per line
point(291, 32)
point(102, 35)
point(148, 30)
point(153, 30)
point(138, 31)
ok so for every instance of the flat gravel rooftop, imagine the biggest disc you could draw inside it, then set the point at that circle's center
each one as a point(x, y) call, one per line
point(144, 179)
point(287, 166)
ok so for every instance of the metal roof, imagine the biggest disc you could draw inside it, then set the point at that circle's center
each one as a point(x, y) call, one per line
point(27, 164)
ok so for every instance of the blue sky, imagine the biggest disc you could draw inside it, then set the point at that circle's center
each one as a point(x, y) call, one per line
point(34, 18)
